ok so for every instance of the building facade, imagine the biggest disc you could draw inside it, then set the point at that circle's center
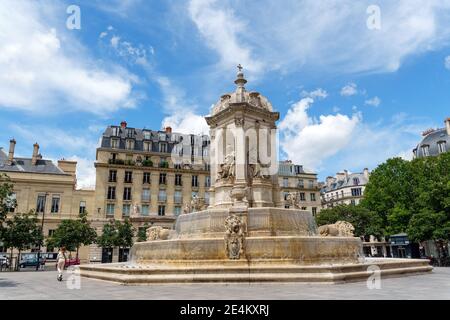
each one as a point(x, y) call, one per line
point(45, 187)
point(293, 178)
point(344, 188)
point(434, 142)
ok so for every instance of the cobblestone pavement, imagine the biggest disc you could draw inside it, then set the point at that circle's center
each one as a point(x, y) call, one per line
point(43, 285)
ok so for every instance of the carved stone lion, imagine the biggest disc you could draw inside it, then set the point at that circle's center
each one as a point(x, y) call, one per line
point(157, 233)
point(234, 237)
point(338, 229)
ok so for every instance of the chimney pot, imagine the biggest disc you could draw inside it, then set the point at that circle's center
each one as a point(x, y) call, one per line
point(12, 146)
point(168, 129)
point(35, 154)
point(123, 124)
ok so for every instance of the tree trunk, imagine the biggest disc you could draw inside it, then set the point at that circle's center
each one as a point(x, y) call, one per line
point(18, 261)
point(11, 260)
point(78, 248)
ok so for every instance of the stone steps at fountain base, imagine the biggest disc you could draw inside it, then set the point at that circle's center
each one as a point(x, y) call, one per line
point(141, 275)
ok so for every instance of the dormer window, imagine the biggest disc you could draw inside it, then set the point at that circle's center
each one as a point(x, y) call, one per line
point(130, 133)
point(130, 144)
point(147, 146)
point(115, 143)
point(147, 135)
point(442, 146)
point(355, 181)
point(426, 150)
point(162, 137)
point(115, 131)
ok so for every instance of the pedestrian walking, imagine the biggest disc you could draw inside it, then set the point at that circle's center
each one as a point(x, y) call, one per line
point(60, 262)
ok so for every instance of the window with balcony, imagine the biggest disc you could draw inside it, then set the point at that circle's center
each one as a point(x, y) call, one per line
point(147, 146)
point(178, 180)
point(163, 147)
point(147, 135)
point(301, 183)
point(356, 192)
point(127, 194)
point(207, 181)
point(178, 197)
point(313, 196)
point(285, 182)
point(112, 177)
point(314, 211)
point(177, 211)
point(161, 210)
point(145, 210)
point(162, 178)
point(146, 178)
point(126, 209)
point(82, 207)
point(302, 196)
point(40, 204)
point(111, 195)
point(145, 195)
point(55, 204)
point(195, 181)
point(110, 209)
point(162, 196)
point(128, 177)
point(311, 184)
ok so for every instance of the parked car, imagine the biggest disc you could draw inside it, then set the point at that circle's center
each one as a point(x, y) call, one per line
point(31, 262)
point(71, 262)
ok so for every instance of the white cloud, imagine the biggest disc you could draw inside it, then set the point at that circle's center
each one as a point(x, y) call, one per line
point(309, 141)
point(375, 102)
point(224, 34)
point(85, 172)
point(183, 118)
point(447, 62)
point(318, 93)
point(103, 34)
point(350, 89)
point(41, 67)
point(115, 41)
point(312, 34)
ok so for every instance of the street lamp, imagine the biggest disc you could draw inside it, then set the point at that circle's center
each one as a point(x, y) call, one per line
point(42, 230)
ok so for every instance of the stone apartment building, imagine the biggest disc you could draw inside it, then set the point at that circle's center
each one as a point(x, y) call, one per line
point(46, 187)
point(344, 188)
point(293, 178)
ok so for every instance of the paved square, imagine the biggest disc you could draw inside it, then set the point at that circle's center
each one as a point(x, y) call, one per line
point(43, 285)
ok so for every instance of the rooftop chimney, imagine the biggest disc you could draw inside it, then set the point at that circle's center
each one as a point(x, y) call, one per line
point(329, 181)
point(366, 173)
point(168, 129)
point(447, 125)
point(12, 146)
point(123, 124)
point(35, 154)
point(69, 167)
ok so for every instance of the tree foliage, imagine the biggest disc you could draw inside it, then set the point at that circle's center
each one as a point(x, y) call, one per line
point(412, 196)
point(117, 234)
point(6, 200)
point(22, 232)
point(365, 221)
point(73, 233)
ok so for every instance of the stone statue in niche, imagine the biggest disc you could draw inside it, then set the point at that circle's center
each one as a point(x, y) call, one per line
point(227, 169)
point(293, 200)
point(234, 237)
point(256, 171)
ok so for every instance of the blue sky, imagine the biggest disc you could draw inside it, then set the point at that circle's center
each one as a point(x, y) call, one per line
point(350, 96)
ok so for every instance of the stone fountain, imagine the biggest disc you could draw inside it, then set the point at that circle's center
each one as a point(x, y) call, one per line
point(247, 233)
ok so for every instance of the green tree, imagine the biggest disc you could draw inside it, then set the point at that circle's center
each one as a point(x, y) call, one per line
point(365, 221)
point(125, 234)
point(6, 200)
point(73, 233)
point(142, 233)
point(22, 232)
point(108, 237)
